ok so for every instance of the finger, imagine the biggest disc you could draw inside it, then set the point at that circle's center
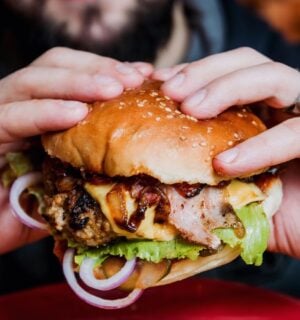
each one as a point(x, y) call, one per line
point(61, 57)
point(274, 83)
point(198, 74)
point(143, 67)
point(285, 227)
point(165, 74)
point(28, 118)
point(274, 146)
point(14, 234)
point(51, 83)
point(88, 62)
point(13, 146)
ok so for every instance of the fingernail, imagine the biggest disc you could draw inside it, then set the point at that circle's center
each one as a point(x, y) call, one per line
point(196, 99)
point(143, 67)
point(176, 81)
point(164, 73)
point(78, 109)
point(228, 156)
point(124, 69)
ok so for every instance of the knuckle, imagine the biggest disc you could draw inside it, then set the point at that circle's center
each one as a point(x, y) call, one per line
point(252, 53)
point(277, 66)
point(293, 125)
point(21, 78)
point(53, 53)
point(248, 51)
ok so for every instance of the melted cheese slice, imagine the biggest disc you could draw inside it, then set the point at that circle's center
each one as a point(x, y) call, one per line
point(239, 193)
point(147, 228)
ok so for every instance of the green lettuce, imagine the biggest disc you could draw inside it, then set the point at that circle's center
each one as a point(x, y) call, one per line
point(18, 164)
point(257, 231)
point(252, 244)
point(154, 251)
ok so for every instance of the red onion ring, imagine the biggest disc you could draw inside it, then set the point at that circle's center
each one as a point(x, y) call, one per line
point(87, 275)
point(21, 184)
point(90, 298)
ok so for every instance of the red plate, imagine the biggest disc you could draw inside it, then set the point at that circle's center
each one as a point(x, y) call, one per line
point(189, 299)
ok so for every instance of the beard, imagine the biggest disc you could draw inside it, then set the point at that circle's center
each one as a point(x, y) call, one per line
point(148, 29)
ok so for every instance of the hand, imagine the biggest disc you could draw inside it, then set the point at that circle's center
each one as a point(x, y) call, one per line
point(211, 85)
point(51, 94)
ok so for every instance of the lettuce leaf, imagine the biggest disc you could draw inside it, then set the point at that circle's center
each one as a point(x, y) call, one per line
point(252, 244)
point(18, 164)
point(154, 251)
point(257, 231)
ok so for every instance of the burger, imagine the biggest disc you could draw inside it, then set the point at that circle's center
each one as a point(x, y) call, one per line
point(133, 201)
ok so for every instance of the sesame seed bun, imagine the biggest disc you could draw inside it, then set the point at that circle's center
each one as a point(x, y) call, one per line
point(144, 132)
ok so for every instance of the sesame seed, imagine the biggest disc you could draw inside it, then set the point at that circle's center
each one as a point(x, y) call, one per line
point(209, 129)
point(244, 110)
point(167, 98)
point(153, 94)
point(157, 118)
point(230, 143)
point(150, 114)
point(122, 103)
point(168, 109)
point(169, 116)
point(185, 127)
point(121, 107)
point(236, 135)
point(203, 144)
point(183, 138)
point(162, 104)
point(194, 145)
point(254, 122)
point(191, 118)
point(240, 115)
point(177, 111)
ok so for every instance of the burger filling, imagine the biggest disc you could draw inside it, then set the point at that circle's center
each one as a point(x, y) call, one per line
point(141, 217)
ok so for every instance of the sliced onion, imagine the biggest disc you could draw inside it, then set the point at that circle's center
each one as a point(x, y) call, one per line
point(90, 298)
point(21, 184)
point(87, 275)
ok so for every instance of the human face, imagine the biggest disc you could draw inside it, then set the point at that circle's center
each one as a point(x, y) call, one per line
point(126, 30)
point(99, 20)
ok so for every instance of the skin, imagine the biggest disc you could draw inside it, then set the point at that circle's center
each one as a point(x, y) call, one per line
point(211, 85)
point(51, 94)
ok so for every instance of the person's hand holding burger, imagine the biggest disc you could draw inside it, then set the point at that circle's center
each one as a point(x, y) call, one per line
point(141, 186)
point(51, 94)
point(242, 76)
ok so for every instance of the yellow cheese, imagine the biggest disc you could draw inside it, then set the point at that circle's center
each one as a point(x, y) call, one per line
point(146, 230)
point(238, 194)
point(242, 193)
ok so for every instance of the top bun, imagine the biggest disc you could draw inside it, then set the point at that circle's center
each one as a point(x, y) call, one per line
point(143, 132)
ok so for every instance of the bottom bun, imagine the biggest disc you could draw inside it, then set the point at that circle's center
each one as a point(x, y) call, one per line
point(186, 268)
